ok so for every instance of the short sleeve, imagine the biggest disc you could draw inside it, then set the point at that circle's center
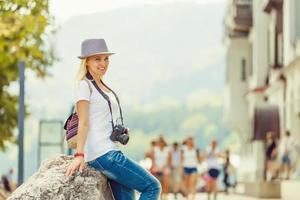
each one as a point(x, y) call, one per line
point(82, 92)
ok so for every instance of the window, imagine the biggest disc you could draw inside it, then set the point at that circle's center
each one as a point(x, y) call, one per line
point(243, 70)
point(250, 62)
point(297, 18)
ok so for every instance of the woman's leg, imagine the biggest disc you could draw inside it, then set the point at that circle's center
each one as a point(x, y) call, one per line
point(176, 181)
point(128, 173)
point(165, 187)
point(186, 185)
point(193, 185)
point(120, 191)
point(208, 188)
point(214, 188)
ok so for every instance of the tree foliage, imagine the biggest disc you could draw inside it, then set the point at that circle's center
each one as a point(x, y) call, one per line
point(25, 30)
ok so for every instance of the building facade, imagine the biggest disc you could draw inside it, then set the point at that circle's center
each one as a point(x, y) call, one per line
point(262, 88)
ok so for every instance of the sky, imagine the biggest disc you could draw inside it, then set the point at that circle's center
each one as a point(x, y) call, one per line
point(64, 9)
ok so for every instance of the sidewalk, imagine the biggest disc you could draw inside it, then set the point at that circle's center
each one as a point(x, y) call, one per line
point(203, 196)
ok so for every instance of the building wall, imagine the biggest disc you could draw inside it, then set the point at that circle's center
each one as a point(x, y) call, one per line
point(283, 86)
point(292, 101)
point(259, 40)
point(291, 24)
point(236, 85)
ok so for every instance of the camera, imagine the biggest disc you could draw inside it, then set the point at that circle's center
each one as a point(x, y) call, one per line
point(119, 134)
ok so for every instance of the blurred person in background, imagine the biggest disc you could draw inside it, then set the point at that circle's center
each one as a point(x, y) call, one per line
point(214, 168)
point(176, 169)
point(271, 157)
point(149, 155)
point(190, 159)
point(3, 193)
point(226, 170)
point(6, 184)
point(285, 148)
point(161, 165)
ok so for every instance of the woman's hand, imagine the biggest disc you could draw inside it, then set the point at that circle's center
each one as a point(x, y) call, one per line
point(78, 163)
point(127, 130)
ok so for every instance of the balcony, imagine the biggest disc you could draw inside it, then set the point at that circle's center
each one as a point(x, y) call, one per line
point(239, 18)
point(272, 4)
point(243, 17)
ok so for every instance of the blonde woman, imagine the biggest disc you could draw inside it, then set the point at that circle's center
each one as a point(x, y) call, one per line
point(190, 158)
point(95, 145)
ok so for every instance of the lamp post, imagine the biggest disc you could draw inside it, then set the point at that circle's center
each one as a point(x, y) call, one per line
point(21, 115)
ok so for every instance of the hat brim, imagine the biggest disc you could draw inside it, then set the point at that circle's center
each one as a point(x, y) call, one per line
point(99, 53)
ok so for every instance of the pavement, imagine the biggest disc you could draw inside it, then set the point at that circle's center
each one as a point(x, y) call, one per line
point(203, 196)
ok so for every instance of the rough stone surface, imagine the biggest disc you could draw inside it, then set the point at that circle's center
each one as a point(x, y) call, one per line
point(50, 183)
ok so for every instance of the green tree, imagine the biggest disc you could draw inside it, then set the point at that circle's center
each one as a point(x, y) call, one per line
point(25, 29)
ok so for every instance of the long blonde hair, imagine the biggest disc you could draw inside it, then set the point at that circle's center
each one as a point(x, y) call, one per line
point(82, 70)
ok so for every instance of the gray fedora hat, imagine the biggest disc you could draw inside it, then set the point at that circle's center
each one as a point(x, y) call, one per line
point(92, 47)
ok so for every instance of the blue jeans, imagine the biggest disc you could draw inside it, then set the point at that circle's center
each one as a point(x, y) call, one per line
point(125, 176)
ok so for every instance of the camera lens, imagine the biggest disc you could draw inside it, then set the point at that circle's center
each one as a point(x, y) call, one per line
point(123, 139)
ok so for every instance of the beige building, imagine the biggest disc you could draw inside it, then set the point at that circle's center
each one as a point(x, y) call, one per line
point(262, 91)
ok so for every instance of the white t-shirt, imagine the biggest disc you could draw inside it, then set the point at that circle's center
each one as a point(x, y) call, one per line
point(190, 157)
point(212, 159)
point(286, 144)
point(98, 142)
point(161, 156)
point(176, 157)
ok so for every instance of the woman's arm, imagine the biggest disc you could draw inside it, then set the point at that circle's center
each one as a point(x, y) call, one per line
point(83, 126)
point(181, 157)
point(169, 159)
point(199, 158)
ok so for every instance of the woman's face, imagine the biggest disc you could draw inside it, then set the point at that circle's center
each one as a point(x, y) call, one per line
point(190, 142)
point(98, 64)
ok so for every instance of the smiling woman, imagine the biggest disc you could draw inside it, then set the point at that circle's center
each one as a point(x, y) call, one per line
point(97, 135)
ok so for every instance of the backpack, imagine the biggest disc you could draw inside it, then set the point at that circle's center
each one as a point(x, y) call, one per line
point(71, 125)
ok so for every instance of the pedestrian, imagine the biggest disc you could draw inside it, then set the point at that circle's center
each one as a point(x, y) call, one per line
point(149, 155)
point(176, 169)
point(99, 133)
point(226, 170)
point(271, 157)
point(6, 184)
point(190, 159)
point(214, 167)
point(162, 163)
point(286, 147)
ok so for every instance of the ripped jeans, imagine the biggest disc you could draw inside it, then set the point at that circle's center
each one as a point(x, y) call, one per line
point(125, 176)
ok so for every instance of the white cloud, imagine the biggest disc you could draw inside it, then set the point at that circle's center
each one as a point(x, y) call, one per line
point(193, 122)
point(204, 97)
point(207, 58)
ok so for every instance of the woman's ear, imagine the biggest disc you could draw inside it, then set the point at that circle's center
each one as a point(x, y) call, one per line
point(86, 63)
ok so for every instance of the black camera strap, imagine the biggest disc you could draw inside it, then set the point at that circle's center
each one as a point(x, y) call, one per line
point(106, 97)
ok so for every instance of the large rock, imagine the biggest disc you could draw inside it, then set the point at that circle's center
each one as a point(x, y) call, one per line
point(50, 182)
